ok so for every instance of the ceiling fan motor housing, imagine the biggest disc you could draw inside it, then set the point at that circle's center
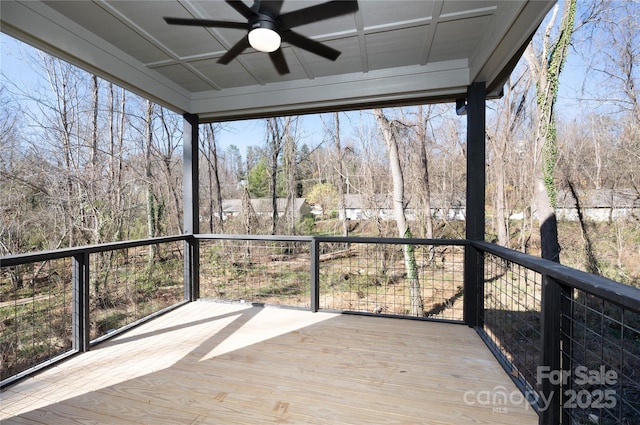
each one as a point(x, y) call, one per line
point(264, 21)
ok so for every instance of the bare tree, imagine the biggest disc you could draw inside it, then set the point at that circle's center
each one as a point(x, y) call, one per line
point(210, 152)
point(115, 187)
point(501, 135)
point(277, 129)
point(290, 165)
point(612, 52)
point(334, 135)
point(166, 149)
point(94, 120)
point(371, 178)
point(154, 206)
point(419, 153)
point(417, 305)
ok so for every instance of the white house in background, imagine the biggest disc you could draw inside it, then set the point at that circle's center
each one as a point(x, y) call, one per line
point(361, 207)
point(263, 207)
point(599, 204)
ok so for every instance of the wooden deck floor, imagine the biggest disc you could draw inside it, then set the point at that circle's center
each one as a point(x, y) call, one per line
point(210, 363)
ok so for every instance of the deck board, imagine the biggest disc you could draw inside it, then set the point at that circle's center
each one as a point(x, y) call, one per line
point(211, 363)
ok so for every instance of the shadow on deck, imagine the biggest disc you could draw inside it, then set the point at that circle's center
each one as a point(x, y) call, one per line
point(218, 363)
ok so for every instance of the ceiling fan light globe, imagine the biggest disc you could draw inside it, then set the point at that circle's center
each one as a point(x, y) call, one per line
point(264, 40)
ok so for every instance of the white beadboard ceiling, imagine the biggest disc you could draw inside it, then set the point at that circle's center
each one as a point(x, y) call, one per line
point(394, 52)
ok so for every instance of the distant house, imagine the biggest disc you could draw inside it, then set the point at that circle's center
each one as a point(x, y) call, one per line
point(599, 205)
point(263, 207)
point(360, 207)
point(449, 206)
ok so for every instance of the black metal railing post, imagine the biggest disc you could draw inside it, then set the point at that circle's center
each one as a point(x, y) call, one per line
point(191, 269)
point(550, 372)
point(473, 287)
point(315, 275)
point(80, 321)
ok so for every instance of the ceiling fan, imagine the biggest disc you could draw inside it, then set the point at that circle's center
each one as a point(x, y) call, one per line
point(267, 28)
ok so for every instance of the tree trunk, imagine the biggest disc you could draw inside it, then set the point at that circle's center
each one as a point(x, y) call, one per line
point(423, 180)
point(417, 305)
point(152, 203)
point(94, 122)
point(248, 219)
point(275, 136)
point(341, 199)
point(59, 80)
point(546, 72)
point(290, 170)
point(215, 191)
point(97, 225)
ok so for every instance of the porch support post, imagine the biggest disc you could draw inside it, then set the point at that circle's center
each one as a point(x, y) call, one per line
point(475, 214)
point(191, 207)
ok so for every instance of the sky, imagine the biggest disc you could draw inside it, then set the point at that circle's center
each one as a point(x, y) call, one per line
point(253, 133)
point(242, 134)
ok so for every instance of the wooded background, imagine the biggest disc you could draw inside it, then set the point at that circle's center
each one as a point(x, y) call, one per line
point(84, 161)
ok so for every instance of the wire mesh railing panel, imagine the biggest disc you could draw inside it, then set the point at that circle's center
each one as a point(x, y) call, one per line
point(35, 314)
point(393, 279)
point(128, 284)
point(270, 272)
point(512, 314)
point(603, 356)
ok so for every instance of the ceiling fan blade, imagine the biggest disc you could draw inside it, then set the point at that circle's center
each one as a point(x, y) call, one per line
point(205, 23)
point(272, 7)
point(241, 8)
point(312, 46)
point(278, 60)
point(234, 51)
point(317, 13)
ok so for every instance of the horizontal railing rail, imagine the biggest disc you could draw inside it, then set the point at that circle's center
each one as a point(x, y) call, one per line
point(570, 339)
point(32, 257)
point(57, 303)
point(277, 238)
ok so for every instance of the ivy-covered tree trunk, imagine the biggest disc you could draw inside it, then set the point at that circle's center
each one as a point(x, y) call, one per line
point(546, 68)
point(417, 305)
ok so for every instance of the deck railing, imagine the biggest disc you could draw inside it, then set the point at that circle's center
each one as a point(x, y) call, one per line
point(57, 303)
point(570, 340)
point(359, 275)
point(375, 276)
point(271, 270)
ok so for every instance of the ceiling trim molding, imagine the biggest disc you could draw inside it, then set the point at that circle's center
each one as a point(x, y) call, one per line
point(408, 85)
